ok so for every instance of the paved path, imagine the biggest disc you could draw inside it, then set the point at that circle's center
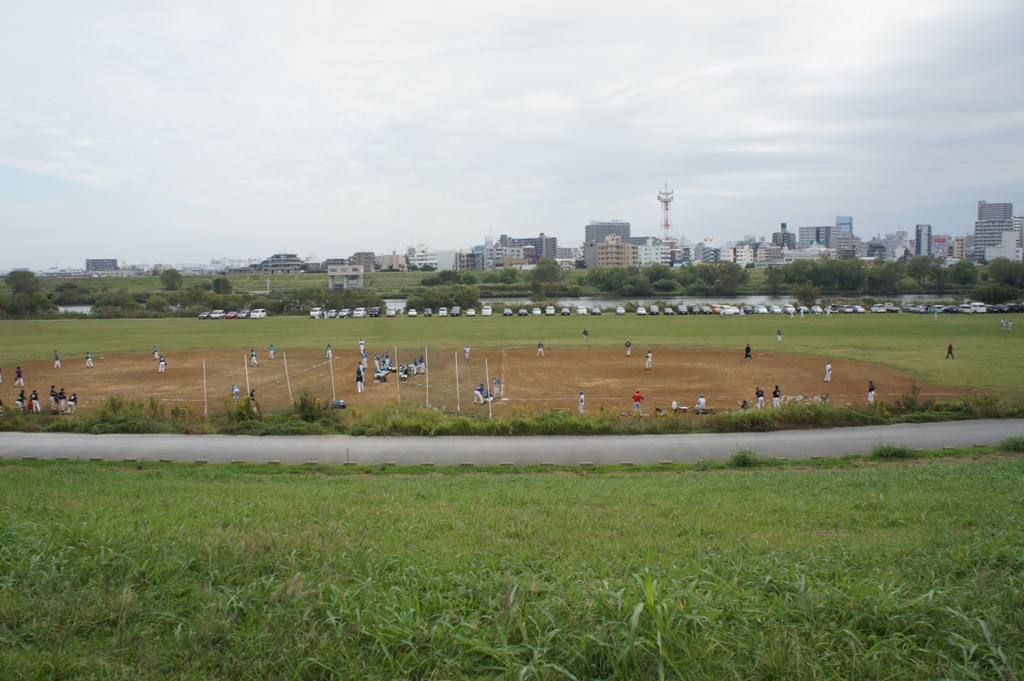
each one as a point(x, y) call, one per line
point(481, 451)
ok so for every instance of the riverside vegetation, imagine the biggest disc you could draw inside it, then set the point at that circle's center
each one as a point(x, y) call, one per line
point(845, 569)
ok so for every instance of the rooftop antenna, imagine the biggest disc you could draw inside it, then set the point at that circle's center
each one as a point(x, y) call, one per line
point(666, 197)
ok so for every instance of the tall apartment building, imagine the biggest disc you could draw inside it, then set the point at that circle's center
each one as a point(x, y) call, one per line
point(784, 238)
point(101, 265)
point(993, 220)
point(814, 235)
point(596, 232)
point(364, 259)
point(923, 240)
point(614, 252)
point(543, 246)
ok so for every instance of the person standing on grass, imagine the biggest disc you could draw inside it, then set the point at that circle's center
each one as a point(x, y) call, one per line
point(760, 397)
point(648, 363)
point(586, 336)
point(949, 351)
point(88, 360)
point(828, 371)
point(19, 378)
point(778, 335)
point(637, 401)
point(33, 399)
point(359, 379)
point(776, 397)
point(871, 392)
point(747, 355)
point(629, 346)
point(330, 353)
point(56, 360)
point(271, 350)
point(163, 365)
point(540, 349)
point(252, 358)
point(156, 354)
point(581, 402)
point(465, 351)
point(362, 346)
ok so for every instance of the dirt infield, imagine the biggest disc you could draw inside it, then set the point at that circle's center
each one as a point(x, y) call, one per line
point(531, 383)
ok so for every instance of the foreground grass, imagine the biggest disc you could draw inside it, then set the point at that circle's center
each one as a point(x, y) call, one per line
point(195, 573)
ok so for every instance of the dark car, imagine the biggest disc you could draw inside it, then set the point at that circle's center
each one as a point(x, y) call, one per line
point(428, 312)
point(456, 311)
point(951, 309)
point(244, 314)
point(507, 312)
point(204, 315)
point(668, 310)
point(374, 312)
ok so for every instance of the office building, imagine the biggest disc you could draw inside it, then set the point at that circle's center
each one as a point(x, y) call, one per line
point(923, 240)
point(596, 232)
point(101, 265)
point(784, 238)
point(993, 220)
point(844, 224)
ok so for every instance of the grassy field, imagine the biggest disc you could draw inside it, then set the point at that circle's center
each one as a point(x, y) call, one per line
point(987, 359)
point(170, 571)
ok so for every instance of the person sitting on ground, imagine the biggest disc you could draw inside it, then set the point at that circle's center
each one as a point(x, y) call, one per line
point(702, 403)
point(744, 405)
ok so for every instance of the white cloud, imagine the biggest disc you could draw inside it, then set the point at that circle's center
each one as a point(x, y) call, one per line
point(354, 126)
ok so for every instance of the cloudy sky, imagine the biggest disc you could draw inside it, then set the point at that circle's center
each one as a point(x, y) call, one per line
point(189, 130)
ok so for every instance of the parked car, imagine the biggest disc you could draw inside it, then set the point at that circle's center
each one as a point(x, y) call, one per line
point(641, 311)
point(218, 314)
point(549, 310)
point(654, 310)
point(244, 314)
point(746, 309)
point(728, 311)
point(442, 312)
point(392, 312)
point(774, 309)
point(682, 309)
point(486, 311)
point(231, 315)
point(522, 312)
point(595, 310)
point(411, 312)
point(258, 313)
point(315, 313)
point(428, 312)
point(331, 314)
point(374, 311)
point(507, 312)
point(706, 309)
point(816, 309)
point(344, 313)
point(878, 308)
point(471, 312)
point(204, 315)
point(456, 311)
point(620, 310)
point(536, 312)
point(668, 310)
point(565, 312)
point(788, 309)
point(359, 313)
point(803, 309)
point(581, 310)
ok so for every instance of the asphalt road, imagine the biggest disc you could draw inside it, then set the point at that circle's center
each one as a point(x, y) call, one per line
point(484, 451)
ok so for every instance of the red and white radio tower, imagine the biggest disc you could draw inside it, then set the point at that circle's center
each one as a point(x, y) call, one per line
point(666, 197)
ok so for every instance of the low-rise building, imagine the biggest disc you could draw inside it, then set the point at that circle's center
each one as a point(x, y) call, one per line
point(344, 276)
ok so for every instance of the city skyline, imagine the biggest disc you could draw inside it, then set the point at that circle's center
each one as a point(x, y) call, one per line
point(185, 132)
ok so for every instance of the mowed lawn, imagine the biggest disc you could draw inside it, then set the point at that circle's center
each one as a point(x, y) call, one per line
point(987, 359)
point(171, 571)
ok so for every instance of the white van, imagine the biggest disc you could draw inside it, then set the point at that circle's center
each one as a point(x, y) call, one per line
point(258, 313)
point(486, 311)
point(977, 308)
point(315, 313)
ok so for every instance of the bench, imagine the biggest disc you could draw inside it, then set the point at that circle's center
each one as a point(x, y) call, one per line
point(703, 410)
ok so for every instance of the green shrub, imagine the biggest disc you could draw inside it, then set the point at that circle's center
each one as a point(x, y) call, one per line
point(887, 452)
point(747, 458)
point(1013, 444)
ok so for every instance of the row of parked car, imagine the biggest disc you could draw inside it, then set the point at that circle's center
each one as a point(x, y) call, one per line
point(258, 313)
